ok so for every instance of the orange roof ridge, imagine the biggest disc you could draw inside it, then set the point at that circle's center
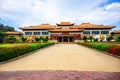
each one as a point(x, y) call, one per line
point(41, 26)
point(65, 30)
point(116, 31)
point(45, 24)
point(89, 25)
point(65, 23)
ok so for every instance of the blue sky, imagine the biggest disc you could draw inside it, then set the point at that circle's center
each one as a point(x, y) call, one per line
point(20, 13)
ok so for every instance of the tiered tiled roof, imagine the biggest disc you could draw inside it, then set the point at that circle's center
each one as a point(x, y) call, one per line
point(42, 26)
point(13, 33)
point(70, 27)
point(93, 26)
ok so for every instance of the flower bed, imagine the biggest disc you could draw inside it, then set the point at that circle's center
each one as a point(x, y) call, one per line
point(7, 53)
point(110, 48)
point(113, 50)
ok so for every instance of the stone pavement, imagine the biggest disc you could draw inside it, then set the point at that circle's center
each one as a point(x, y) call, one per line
point(59, 75)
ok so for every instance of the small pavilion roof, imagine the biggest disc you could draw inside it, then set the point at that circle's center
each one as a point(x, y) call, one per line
point(65, 24)
point(12, 33)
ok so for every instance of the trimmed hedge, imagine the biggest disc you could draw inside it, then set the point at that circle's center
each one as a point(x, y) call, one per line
point(101, 47)
point(7, 53)
point(110, 48)
point(113, 50)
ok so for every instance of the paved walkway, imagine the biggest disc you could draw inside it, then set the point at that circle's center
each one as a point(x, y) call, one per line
point(65, 57)
point(59, 75)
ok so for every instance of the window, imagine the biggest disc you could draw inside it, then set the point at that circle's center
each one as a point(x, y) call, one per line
point(104, 32)
point(86, 32)
point(28, 33)
point(45, 33)
point(95, 32)
point(36, 33)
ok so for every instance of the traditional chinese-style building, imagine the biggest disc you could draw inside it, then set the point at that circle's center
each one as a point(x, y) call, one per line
point(66, 31)
point(115, 33)
point(16, 34)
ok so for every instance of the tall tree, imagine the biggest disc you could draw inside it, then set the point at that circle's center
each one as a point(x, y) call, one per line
point(6, 28)
point(2, 34)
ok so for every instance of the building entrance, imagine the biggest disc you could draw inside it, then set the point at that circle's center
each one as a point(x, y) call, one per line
point(66, 39)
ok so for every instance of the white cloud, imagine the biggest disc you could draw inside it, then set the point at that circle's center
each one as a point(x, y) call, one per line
point(34, 12)
point(108, 14)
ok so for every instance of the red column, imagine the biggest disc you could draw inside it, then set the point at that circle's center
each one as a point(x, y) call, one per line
point(74, 37)
point(80, 38)
point(50, 36)
point(57, 38)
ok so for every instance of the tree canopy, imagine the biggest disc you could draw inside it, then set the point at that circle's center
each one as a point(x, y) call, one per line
point(4, 28)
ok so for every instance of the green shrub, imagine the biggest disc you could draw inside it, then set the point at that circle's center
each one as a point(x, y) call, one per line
point(11, 39)
point(24, 39)
point(37, 39)
point(101, 47)
point(118, 38)
point(96, 40)
point(92, 45)
point(79, 43)
point(85, 38)
point(45, 39)
point(41, 39)
point(110, 48)
point(90, 38)
point(109, 38)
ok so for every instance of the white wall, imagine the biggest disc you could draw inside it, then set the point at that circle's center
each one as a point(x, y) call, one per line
point(36, 31)
point(97, 30)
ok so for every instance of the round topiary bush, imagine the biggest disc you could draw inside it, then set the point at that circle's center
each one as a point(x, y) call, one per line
point(11, 39)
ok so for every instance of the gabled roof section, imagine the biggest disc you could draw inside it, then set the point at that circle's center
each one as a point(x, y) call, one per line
point(66, 30)
point(65, 24)
point(116, 32)
point(41, 26)
point(93, 26)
